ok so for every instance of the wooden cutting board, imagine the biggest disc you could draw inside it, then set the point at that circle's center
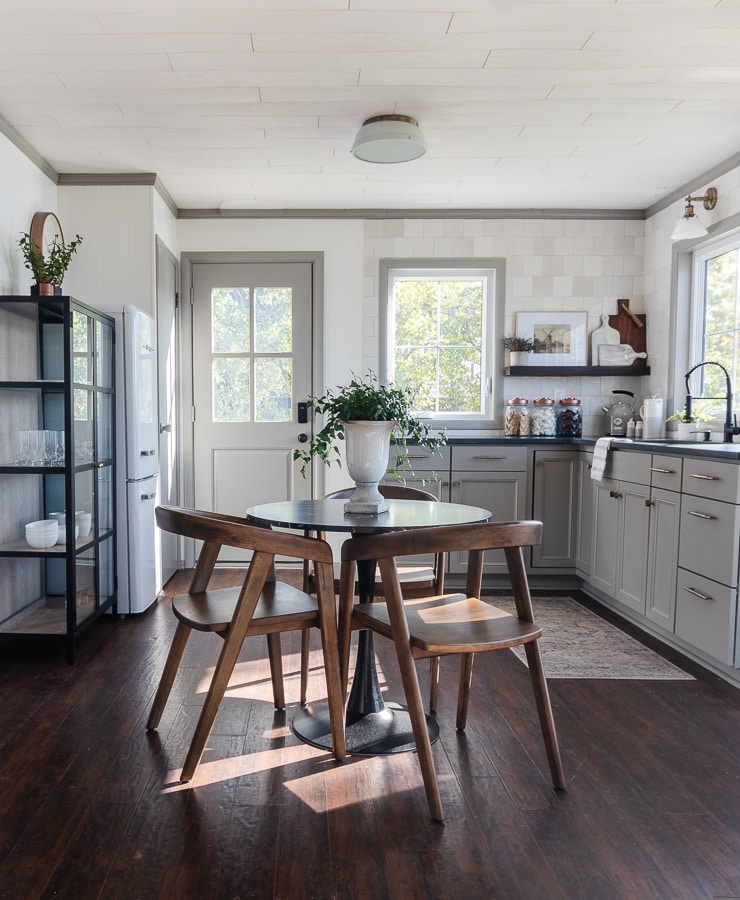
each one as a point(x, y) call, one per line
point(631, 328)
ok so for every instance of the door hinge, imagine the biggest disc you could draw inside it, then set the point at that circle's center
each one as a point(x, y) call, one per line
point(192, 414)
point(192, 295)
point(177, 299)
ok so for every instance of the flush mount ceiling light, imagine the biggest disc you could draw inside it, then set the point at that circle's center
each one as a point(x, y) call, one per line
point(689, 225)
point(389, 139)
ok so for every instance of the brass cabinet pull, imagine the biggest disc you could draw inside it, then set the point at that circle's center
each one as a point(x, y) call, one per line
point(615, 494)
point(698, 515)
point(650, 503)
point(589, 465)
point(489, 457)
point(697, 594)
point(456, 484)
point(705, 477)
point(445, 484)
point(663, 471)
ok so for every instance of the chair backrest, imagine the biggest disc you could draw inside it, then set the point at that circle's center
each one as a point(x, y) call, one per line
point(510, 537)
point(235, 532)
point(389, 491)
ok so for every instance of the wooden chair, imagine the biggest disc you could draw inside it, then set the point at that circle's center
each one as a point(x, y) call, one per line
point(418, 579)
point(261, 605)
point(448, 624)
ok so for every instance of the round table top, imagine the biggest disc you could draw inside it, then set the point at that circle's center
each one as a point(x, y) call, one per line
point(329, 515)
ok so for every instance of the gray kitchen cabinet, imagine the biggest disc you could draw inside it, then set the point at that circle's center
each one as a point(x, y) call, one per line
point(494, 478)
point(584, 514)
point(555, 501)
point(706, 596)
point(660, 603)
point(621, 519)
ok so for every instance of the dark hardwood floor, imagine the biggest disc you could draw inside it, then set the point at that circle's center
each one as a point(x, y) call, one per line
point(92, 806)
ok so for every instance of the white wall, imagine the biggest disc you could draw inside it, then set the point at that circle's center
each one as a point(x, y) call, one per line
point(659, 269)
point(25, 190)
point(340, 241)
point(566, 265)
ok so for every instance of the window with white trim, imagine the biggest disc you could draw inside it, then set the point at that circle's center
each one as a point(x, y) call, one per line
point(438, 321)
point(715, 325)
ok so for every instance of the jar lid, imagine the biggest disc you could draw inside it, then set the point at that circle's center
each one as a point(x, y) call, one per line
point(545, 401)
point(570, 401)
point(517, 401)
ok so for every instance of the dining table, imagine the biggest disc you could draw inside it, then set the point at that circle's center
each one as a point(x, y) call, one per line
point(373, 726)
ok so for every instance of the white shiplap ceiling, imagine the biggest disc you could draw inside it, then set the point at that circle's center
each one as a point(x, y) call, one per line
point(589, 104)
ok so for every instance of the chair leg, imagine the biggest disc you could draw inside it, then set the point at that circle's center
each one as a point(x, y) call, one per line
point(177, 648)
point(544, 709)
point(275, 655)
point(463, 691)
point(433, 683)
point(305, 657)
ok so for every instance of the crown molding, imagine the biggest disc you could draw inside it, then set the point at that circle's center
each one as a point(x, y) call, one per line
point(466, 213)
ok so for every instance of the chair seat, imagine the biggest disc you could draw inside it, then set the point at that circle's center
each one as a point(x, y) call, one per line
point(452, 623)
point(278, 604)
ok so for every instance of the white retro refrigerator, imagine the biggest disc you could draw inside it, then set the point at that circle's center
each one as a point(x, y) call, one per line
point(138, 462)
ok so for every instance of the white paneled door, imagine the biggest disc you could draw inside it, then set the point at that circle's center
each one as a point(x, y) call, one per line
point(251, 367)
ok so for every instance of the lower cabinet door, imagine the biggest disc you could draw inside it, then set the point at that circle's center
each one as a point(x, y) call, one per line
point(632, 549)
point(504, 493)
point(665, 515)
point(706, 615)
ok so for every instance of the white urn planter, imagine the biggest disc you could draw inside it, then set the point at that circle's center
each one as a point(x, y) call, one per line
point(367, 446)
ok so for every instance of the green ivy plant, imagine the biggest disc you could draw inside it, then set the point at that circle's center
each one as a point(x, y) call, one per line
point(49, 269)
point(366, 400)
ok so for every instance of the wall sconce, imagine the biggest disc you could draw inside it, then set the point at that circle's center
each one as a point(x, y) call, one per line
point(690, 226)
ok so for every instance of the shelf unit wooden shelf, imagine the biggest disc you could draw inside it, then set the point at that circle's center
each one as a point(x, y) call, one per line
point(583, 371)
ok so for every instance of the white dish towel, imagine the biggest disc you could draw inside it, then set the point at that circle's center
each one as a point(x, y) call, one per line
point(599, 461)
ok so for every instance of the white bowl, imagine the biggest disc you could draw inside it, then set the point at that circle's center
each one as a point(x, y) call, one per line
point(42, 534)
point(84, 522)
point(62, 539)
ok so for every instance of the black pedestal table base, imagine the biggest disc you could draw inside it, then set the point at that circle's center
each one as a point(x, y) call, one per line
point(373, 734)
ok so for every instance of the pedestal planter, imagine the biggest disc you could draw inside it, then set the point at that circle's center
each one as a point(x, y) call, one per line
point(367, 446)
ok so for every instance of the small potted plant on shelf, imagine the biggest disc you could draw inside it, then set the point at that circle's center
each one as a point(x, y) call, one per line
point(369, 417)
point(50, 268)
point(519, 349)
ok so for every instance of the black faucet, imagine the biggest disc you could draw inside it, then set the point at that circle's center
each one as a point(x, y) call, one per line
point(731, 427)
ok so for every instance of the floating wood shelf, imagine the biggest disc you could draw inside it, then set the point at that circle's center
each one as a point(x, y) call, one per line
point(560, 371)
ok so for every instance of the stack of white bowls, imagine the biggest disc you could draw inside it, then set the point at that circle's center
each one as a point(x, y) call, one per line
point(42, 534)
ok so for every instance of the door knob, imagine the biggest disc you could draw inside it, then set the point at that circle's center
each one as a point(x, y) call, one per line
point(302, 438)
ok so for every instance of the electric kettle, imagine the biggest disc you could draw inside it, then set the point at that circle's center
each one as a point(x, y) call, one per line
point(618, 414)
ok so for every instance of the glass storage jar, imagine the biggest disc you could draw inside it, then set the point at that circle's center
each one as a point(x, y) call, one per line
point(542, 419)
point(516, 417)
point(570, 418)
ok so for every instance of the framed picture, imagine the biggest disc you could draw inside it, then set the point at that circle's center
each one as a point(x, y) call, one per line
point(559, 337)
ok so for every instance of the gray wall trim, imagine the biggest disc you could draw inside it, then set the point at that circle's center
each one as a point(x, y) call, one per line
point(693, 186)
point(166, 197)
point(619, 214)
point(127, 179)
point(16, 138)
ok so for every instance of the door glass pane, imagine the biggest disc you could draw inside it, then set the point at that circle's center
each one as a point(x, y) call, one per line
point(273, 382)
point(105, 563)
point(104, 426)
point(230, 320)
point(104, 355)
point(83, 426)
point(82, 356)
point(230, 385)
point(85, 564)
point(273, 320)
point(105, 498)
point(85, 500)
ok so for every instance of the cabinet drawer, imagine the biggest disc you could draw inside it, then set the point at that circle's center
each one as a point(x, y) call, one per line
point(710, 537)
point(708, 478)
point(666, 472)
point(626, 466)
point(495, 458)
point(421, 460)
point(706, 615)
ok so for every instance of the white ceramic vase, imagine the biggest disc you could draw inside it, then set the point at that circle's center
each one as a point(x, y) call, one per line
point(367, 447)
point(518, 357)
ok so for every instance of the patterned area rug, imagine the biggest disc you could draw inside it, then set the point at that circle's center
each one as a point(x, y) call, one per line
point(576, 643)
